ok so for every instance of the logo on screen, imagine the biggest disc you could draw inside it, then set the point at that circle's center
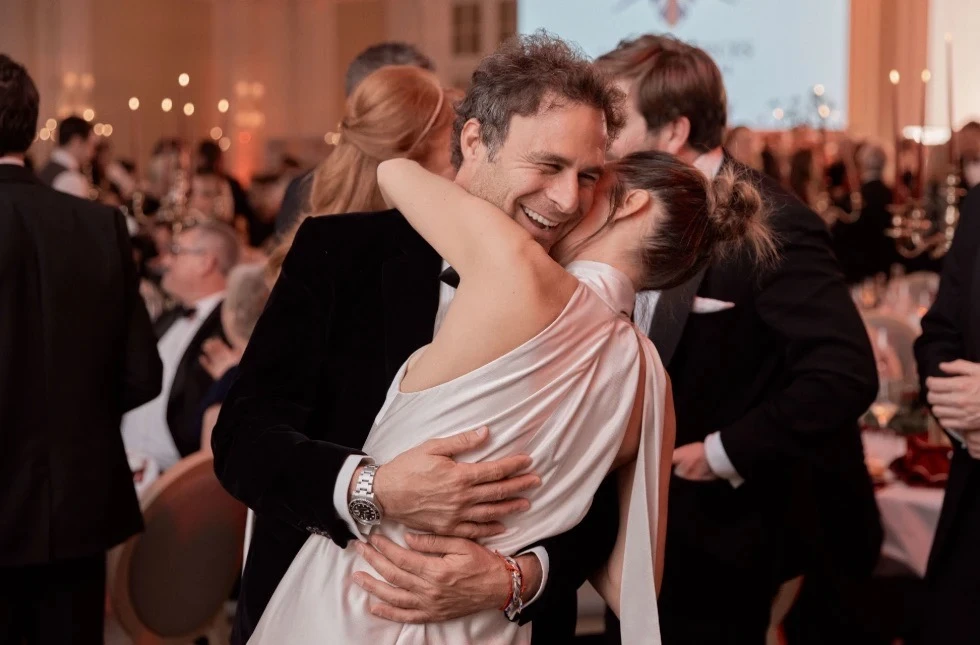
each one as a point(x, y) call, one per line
point(673, 11)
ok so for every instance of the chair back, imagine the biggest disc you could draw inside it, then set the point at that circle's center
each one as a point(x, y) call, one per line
point(171, 582)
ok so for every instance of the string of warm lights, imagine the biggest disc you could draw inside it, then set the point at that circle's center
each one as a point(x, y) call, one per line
point(77, 94)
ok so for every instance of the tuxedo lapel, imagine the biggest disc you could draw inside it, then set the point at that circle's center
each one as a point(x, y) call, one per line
point(669, 319)
point(674, 305)
point(165, 322)
point(410, 292)
point(190, 360)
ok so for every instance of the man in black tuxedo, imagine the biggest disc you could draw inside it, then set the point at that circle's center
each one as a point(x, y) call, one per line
point(862, 247)
point(770, 373)
point(297, 197)
point(78, 351)
point(168, 428)
point(948, 355)
point(358, 294)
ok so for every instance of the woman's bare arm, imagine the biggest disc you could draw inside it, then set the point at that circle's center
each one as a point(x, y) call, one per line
point(468, 232)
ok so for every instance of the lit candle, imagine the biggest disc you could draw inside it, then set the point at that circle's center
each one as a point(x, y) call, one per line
point(926, 76)
point(894, 77)
point(951, 149)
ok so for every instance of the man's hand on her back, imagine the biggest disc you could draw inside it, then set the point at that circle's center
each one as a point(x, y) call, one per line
point(426, 490)
point(439, 578)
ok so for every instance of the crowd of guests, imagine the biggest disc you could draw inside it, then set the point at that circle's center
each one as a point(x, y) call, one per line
point(208, 253)
point(192, 223)
point(852, 184)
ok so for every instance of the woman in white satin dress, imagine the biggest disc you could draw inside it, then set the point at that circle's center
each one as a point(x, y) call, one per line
point(547, 356)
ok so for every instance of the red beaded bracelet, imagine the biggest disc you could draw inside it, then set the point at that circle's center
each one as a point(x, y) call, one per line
point(515, 602)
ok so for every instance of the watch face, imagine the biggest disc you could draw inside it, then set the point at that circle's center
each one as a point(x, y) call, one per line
point(364, 511)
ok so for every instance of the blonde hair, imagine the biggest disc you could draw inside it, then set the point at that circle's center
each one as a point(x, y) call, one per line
point(396, 112)
point(247, 293)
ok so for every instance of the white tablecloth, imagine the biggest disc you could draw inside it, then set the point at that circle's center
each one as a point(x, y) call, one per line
point(909, 516)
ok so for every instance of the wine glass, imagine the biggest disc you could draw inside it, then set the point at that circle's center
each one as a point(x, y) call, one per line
point(886, 404)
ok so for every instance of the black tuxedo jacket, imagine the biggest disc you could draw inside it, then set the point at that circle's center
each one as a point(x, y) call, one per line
point(862, 247)
point(357, 295)
point(783, 375)
point(77, 352)
point(191, 382)
point(951, 331)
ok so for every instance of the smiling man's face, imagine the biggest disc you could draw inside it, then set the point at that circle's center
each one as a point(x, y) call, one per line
point(544, 174)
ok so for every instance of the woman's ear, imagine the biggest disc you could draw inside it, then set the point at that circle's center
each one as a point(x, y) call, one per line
point(635, 204)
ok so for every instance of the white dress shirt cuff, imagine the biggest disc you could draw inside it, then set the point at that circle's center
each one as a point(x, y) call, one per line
point(718, 460)
point(956, 435)
point(542, 555)
point(341, 489)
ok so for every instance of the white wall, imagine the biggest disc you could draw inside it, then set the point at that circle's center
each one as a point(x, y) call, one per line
point(771, 52)
point(961, 19)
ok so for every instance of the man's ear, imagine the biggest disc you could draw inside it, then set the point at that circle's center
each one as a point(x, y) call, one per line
point(676, 134)
point(471, 142)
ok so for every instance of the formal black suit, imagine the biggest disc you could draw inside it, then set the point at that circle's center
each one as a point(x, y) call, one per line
point(783, 375)
point(191, 382)
point(357, 295)
point(862, 247)
point(78, 351)
point(951, 331)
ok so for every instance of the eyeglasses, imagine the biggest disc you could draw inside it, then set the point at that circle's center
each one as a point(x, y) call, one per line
point(177, 249)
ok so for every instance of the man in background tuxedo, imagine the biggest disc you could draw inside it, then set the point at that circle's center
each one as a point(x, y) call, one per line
point(76, 150)
point(358, 294)
point(78, 351)
point(770, 373)
point(167, 428)
point(297, 197)
point(861, 246)
point(948, 355)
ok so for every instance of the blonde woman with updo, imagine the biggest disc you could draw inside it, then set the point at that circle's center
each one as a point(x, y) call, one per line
point(397, 112)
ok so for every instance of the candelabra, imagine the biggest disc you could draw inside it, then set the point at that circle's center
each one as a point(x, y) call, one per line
point(830, 212)
point(916, 233)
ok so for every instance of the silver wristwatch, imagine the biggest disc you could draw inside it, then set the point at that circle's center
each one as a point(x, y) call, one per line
point(362, 506)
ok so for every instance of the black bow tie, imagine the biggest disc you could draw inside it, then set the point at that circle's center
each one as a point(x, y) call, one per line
point(185, 312)
point(450, 277)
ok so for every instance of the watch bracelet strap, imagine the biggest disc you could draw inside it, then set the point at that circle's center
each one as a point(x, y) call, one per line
point(365, 481)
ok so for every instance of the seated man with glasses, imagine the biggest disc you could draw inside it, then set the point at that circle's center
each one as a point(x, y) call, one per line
point(195, 275)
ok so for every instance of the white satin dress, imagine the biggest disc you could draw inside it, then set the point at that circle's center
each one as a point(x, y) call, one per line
point(564, 397)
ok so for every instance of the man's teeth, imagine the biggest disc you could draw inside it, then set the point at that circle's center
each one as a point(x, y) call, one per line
point(547, 223)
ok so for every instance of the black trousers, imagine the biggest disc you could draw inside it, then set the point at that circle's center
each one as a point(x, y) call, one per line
point(708, 627)
point(59, 603)
point(705, 605)
point(952, 608)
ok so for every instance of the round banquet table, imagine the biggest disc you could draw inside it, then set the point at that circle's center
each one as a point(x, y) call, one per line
point(909, 514)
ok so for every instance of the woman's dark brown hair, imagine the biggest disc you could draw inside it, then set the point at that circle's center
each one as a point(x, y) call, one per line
point(697, 220)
